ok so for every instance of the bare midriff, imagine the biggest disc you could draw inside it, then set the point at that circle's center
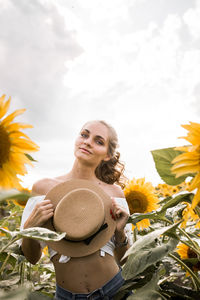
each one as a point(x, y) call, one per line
point(85, 274)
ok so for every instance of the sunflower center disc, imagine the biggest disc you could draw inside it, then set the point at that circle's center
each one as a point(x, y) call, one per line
point(5, 146)
point(191, 253)
point(138, 202)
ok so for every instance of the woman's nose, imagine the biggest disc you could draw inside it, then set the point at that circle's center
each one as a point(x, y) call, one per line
point(87, 142)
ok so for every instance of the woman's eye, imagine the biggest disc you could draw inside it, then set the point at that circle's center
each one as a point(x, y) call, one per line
point(83, 134)
point(100, 142)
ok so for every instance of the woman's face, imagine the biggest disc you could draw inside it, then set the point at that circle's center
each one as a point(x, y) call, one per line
point(91, 145)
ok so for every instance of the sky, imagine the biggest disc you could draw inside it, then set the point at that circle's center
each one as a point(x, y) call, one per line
point(132, 63)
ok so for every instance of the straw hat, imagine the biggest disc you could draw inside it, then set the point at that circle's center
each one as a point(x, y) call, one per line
point(82, 210)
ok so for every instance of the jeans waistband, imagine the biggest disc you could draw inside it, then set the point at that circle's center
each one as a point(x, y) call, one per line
point(107, 291)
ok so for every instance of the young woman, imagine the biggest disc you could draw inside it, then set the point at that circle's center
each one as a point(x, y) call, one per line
point(97, 276)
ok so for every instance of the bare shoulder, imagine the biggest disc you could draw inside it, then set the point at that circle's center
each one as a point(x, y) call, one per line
point(116, 191)
point(42, 186)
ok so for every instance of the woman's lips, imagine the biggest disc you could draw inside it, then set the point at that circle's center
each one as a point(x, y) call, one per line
point(85, 150)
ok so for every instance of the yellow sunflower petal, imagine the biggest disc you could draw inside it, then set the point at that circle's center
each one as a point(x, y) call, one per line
point(198, 225)
point(186, 157)
point(183, 148)
point(11, 117)
point(17, 126)
point(193, 139)
point(194, 183)
point(189, 163)
point(182, 250)
point(16, 134)
point(193, 128)
point(196, 199)
point(183, 170)
point(141, 198)
point(4, 107)
point(25, 145)
point(143, 224)
point(14, 147)
point(2, 98)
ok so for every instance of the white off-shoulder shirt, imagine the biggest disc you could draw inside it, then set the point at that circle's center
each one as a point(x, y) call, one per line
point(108, 248)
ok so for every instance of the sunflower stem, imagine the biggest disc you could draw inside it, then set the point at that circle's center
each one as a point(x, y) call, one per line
point(9, 243)
point(168, 279)
point(135, 234)
point(8, 218)
point(188, 237)
point(5, 262)
point(196, 281)
point(197, 211)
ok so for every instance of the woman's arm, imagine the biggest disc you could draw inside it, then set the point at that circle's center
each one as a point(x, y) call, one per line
point(40, 214)
point(121, 246)
point(31, 250)
point(121, 216)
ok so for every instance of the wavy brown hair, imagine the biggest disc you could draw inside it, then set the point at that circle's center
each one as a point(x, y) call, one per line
point(111, 171)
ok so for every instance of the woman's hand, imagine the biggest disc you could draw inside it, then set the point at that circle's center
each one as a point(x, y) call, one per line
point(40, 214)
point(120, 215)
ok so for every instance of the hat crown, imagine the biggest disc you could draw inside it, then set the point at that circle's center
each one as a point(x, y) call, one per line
point(84, 246)
point(84, 214)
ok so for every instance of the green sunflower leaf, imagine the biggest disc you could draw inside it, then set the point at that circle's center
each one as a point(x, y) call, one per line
point(40, 233)
point(187, 197)
point(140, 260)
point(154, 215)
point(36, 233)
point(149, 291)
point(163, 159)
point(149, 240)
point(30, 157)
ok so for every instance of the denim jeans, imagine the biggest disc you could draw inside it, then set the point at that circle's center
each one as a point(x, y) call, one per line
point(107, 291)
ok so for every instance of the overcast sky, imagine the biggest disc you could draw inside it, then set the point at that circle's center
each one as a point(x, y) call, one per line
point(132, 63)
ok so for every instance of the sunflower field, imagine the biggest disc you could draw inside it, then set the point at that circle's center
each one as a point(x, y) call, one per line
point(164, 260)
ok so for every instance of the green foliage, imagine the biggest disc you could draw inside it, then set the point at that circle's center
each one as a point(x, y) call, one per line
point(14, 194)
point(19, 280)
point(36, 233)
point(187, 197)
point(156, 247)
point(157, 215)
point(18, 294)
point(149, 291)
point(145, 257)
point(30, 157)
point(163, 159)
point(151, 262)
point(148, 240)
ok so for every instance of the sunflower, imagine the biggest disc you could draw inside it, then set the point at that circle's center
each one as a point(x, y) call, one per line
point(2, 233)
point(189, 161)
point(166, 190)
point(185, 253)
point(189, 214)
point(141, 198)
point(14, 146)
point(45, 251)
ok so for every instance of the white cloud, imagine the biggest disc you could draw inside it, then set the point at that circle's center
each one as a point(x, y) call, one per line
point(147, 78)
point(132, 63)
point(192, 19)
point(34, 46)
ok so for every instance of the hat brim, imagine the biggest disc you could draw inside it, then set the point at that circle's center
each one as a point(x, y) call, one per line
point(80, 249)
